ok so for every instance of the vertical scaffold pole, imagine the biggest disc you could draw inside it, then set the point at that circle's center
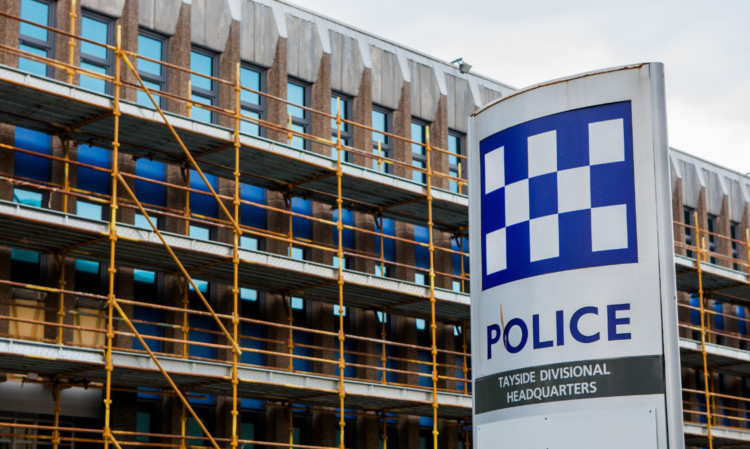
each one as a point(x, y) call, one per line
point(112, 242)
point(340, 255)
point(235, 254)
point(700, 251)
point(433, 325)
point(56, 432)
point(747, 252)
point(72, 43)
point(61, 260)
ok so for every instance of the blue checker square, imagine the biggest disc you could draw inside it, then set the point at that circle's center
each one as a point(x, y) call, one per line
point(558, 194)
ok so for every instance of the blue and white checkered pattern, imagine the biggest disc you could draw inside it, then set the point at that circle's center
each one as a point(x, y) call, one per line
point(558, 194)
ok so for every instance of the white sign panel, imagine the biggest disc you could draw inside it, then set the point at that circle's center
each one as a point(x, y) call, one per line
point(573, 292)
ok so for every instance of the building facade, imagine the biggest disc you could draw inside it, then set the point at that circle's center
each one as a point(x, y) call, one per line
point(238, 223)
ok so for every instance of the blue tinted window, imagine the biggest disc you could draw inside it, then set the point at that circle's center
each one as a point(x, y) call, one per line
point(418, 152)
point(153, 49)
point(31, 66)
point(251, 102)
point(94, 180)
point(28, 165)
point(456, 166)
point(89, 210)
point(152, 73)
point(38, 12)
point(250, 215)
point(148, 192)
point(27, 197)
point(204, 65)
point(381, 144)
point(296, 94)
point(302, 227)
point(98, 31)
point(347, 235)
point(250, 79)
point(34, 39)
point(340, 105)
point(204, 89)
point(203, 204)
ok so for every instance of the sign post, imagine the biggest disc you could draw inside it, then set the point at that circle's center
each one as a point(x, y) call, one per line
point(574, 320)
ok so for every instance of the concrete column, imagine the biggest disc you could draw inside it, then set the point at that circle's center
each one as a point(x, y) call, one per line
point(276, 79)
point(179, 55)
point(9, 30)
point(228, 61)
point(368, 432)
point(362, 113)
point(320, 97)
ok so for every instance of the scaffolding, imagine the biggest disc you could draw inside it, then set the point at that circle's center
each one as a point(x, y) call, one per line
point(139, 131)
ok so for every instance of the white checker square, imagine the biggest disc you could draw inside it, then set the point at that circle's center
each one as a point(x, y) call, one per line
point(544, 234)
point(494, 170)
point(496, 256)
point(542, 153)
point(606, 142)
point(609, 228)
point(517, 202)
point(573, 189)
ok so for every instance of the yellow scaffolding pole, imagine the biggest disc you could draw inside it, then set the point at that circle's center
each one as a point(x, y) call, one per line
point(107, 433)
point(700, 253)
point(61, 261)
point(433, 325)
point(235, 254)
point(340, 255)
point(71, 43)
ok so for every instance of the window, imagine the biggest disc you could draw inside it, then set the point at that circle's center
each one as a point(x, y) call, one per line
point(154, 75)
point(91, 277)
point(252, 216)
point(297, 94)
point(689, 222)
point(95, 57)
point(252, 103)
point(149, 193)
point(422, 255)
point(347, 236)
point(34, 39)
point(203, 205)
point(418, 152)
point(93, 181)
point(459, 264)
point(26, 267)
point(381, 143)
point(147, 320)
point(204, 89)
point(385, 248)
point(202, 327)
point(734, 232)
point(456, 166)
point(301, 227)
point(31, 166)
point(712, 222)
point(342, 105)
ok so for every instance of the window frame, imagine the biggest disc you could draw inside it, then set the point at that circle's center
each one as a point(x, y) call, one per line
point(262, 108)
point(453, 168)
point(386, 146)
point(49, 44)
point(163, 79)
point(347, 131)
point(421, 157)
point(213, 94)
point(306, 122)
point(108, 63)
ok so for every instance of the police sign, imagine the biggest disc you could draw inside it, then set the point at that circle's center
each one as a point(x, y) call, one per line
point(574, 320)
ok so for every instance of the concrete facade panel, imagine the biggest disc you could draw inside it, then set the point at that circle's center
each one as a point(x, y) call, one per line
point(346, 64)
point(112, 8)
point(387, 78)
point(159, 15)
point(259, 34)
point(210, 21)
point(304, 49)
point(461, 103)
point(425, 92)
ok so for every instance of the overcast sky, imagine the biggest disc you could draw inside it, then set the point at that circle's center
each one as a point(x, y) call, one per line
point(704, 45)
